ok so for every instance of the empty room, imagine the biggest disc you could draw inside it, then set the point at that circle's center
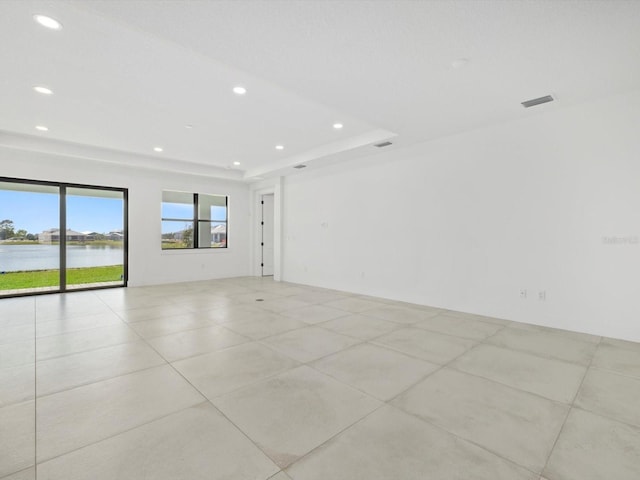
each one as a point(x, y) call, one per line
point(319, 239)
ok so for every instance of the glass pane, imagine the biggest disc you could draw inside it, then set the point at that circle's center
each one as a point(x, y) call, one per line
point(212, 207)
point(212, 235)
point(177, 234)
point(177, 205)
point(95, 238)
point(29, 239)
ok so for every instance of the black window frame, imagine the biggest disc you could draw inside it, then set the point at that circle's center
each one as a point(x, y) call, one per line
point(62, 222)
point(195, 220)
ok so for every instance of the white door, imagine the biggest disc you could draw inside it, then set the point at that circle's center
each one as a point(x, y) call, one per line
point(267, 235)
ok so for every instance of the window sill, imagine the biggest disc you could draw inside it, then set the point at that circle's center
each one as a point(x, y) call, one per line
point(194, 251)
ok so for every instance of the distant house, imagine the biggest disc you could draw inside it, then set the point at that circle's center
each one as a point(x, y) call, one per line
point(117, 236)
point(53, 235)
point(219, 234)
point(92, 235)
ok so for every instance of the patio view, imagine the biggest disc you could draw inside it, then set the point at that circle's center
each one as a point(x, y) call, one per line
point(34, 256)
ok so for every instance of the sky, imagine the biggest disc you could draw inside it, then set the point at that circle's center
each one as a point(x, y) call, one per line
point(185, 213)
point(36, 212)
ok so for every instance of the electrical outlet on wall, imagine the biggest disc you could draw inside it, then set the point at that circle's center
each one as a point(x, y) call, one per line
point(523, 293)
point(542, 295)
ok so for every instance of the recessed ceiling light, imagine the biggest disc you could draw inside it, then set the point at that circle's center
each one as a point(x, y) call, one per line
point(337, 126)
point(236, 163)
point(188, 126)
point(42, 128)
point(157, 149)
point(239, 90)
point(460, 63)
point(48, 22)
point(279, 147)
point(43, 90)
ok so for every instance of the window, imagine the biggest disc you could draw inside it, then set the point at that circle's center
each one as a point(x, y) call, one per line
point(193, 220)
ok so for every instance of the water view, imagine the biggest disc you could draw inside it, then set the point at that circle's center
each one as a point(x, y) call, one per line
point(18, 258)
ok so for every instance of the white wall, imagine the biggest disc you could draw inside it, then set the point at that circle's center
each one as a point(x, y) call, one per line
point(148, 264)
point(468, 221)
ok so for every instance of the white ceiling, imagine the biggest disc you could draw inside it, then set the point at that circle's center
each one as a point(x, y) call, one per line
point(129, 75)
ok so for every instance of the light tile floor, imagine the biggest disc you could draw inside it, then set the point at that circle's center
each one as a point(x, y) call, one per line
point(251, 379)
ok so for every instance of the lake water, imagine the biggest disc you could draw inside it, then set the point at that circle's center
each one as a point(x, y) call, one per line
point(46, 257)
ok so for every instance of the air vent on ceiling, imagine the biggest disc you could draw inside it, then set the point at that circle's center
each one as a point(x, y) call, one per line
point(383, 144)
point(300, 166)
point(537, 101)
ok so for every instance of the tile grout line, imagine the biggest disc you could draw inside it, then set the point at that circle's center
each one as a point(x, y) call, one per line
point(140, 339)
point(615, 372)
point(441, 367)
point(389, 404)
point(395, 349)
point(472, 442)
point(322, 444)
point(607, 417)
point(105, 379)
point(571, 407)
point(205, 400)
point(122, 432)
point(128, 429)
point(264, 379)
point(441, 428)
point(447, 365)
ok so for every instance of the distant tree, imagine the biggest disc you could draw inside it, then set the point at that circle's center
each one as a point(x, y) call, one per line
point(6, 229)
point(21, 233)
point(187, 236)
point(31, 236)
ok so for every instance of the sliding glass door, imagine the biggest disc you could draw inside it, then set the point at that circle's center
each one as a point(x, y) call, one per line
point(36, 257)
point(95, 238)
point(27, 211)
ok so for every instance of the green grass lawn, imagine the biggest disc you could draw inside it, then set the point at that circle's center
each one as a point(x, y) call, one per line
point(51, 278)
point(172, 245)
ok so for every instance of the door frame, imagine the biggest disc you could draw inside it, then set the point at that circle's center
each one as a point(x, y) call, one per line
point(262, 236)
point(256, 230)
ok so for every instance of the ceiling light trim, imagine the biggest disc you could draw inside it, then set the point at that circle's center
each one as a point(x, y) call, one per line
point(47, 21)
point(43, 90)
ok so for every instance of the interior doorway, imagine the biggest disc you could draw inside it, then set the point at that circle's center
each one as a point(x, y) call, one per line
point(267, 240)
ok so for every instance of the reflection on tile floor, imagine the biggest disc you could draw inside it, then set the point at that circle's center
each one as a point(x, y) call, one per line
point(200, 380)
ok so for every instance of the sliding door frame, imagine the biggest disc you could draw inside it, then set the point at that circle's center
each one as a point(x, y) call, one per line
point(62, 192)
